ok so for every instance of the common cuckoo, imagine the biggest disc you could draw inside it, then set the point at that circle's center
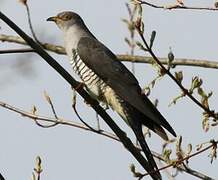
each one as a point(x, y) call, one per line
point(109, 81)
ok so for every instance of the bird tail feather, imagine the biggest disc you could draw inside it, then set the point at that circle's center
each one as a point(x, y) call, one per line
point(154, 169)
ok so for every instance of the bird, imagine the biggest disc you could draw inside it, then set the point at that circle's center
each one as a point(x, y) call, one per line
point(109, 81)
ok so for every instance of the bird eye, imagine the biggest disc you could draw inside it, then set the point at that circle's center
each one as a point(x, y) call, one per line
point(66, 17)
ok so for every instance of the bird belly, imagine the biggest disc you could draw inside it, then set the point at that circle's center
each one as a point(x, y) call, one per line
point(93, 84)
point(97, 88)
point(116, 103)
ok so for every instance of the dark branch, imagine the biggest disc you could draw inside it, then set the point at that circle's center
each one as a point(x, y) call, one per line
point(1, 177)
point(95, 105)
point(211, 113)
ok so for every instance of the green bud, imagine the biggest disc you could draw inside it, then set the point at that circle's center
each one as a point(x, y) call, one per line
point(179, 76)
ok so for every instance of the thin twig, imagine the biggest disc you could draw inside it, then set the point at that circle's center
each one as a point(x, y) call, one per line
point(176, 61)
point(98, 122)
point(30, 24)
point(53, 120)
point(76, 112)
point(11, 51)
point(128, 58)
point(109, 135)
point(19, 40)
point(175, 6)
point(86, 124)
point(48, 99)
point(131, 43)
point(45, 126)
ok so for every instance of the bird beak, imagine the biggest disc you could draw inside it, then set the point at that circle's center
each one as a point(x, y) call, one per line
point(54, 18)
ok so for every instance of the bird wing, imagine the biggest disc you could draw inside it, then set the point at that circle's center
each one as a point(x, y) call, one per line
point(105, 64)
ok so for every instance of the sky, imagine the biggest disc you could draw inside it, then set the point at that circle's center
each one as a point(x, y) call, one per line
point(67, 152)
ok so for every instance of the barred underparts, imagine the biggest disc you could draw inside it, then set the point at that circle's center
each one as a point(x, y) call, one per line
point(96, 86)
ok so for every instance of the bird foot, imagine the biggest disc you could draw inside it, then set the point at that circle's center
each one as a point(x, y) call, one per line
point(79, 86)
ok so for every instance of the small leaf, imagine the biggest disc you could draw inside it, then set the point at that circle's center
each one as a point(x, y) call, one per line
point(201, 92)
point(189, 149)
point(24, 2)
point(140, 45)
point(135, 173)
point(153, 35)
point(188, 152)
point(170, 59)
point(205, 122)
point(125, 21)
point(132, 168)
point(174, 101)
point(38, 168)
point(127, 41)
point(47, 97)
point(196, 83)
point(166, 155)
point(199, 146)
point(170, 56)
point(178, 143)
point(216, 4)
point(139, 25)
point(213, 153)
point(34, 110)
point(140, 9)
point(142, 27)
point(156, 102)
point(33, 176)
point(179, 76)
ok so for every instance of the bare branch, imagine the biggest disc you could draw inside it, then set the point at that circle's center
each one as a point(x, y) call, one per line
point(30, 23)
point(48, 99)
point(11, 51)
point(174, 6)
point(54, 120)
point(19, 40)
point(176, 61)
point(128, 58)
point(109, 135)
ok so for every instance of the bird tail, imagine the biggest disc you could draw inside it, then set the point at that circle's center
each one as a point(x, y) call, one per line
point(157, 117)
point(135, 119)
point(155, 174)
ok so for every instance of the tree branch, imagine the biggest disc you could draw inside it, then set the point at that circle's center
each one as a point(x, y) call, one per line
point(11, 51)
point(175, 6)
point(127, 58)
point(210, 112)
point(70, 123)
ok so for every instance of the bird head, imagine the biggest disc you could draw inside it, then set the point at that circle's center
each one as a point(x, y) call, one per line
point(66, 19)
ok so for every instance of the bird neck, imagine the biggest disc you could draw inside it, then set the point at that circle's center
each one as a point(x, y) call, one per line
point(74, 33)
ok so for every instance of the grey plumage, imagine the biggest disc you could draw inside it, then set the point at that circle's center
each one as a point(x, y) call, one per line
point(110, 82)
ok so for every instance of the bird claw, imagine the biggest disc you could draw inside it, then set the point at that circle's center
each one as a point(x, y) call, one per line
point(79, 86)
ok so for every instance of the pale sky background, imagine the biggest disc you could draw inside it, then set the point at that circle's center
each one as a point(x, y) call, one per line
point(69, 153)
